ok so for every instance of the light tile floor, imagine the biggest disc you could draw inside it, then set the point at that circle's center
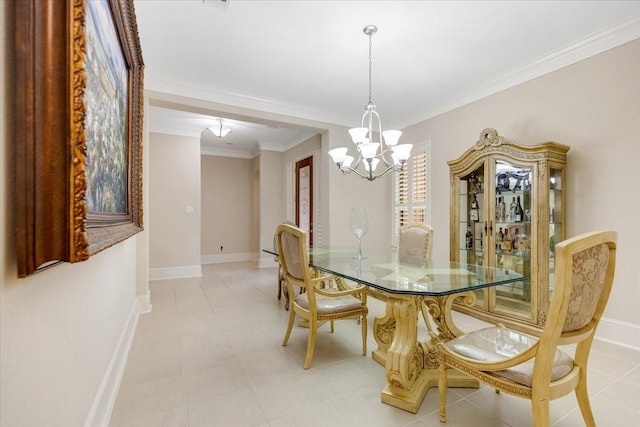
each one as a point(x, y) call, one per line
point(210, 354)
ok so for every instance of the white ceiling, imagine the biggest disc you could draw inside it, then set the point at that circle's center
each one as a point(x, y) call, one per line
point(309, 59)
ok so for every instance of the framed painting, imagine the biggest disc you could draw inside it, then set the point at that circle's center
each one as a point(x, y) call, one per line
point(78, 128)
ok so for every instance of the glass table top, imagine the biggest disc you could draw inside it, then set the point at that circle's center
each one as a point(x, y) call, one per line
point(383, 271)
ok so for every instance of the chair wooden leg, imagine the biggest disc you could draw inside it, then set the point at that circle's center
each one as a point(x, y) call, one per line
point(364, 334)
point(442, 391)
point(285, 291)
point(292, 318)
point(583, 401)
point(311, 343)
point(540, 410)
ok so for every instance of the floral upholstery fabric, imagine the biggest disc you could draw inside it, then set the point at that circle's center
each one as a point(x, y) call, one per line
point(589, 272)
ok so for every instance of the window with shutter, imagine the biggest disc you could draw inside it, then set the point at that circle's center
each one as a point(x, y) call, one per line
point(411, 190)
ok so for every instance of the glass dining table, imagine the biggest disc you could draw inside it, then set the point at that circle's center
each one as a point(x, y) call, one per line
point(411, 365)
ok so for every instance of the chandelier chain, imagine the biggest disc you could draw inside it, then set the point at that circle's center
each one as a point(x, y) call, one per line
point(370, 66)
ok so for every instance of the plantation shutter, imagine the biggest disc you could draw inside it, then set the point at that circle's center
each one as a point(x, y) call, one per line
point(411, 191)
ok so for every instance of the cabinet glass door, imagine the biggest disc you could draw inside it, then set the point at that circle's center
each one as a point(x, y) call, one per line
point(472, 217)
point(513, 211)
point(556, 215)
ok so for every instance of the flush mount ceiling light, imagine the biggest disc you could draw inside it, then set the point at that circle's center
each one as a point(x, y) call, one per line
point(392, 155)
point(219, 129)
point(216, 3)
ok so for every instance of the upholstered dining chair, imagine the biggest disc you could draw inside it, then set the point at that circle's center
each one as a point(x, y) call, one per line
point(317, 305)
point(281, 285)
point(534, 368)
point(415, 243)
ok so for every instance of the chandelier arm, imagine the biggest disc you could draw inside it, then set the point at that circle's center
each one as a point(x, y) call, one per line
point(348, 169)
point(364, 116)
point(370, 176)
point(390, 168)
point(358, 161)
point(371, 113)
point(384, 158)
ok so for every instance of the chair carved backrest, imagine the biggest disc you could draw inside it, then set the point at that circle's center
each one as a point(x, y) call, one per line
point(281, 285)
point(294, 259)
point(275, 235)
point(585, 267)
point(415, 243)
point(292, 253)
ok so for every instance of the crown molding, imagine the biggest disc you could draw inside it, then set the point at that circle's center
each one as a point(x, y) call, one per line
point(226, 152)
point(588, 47)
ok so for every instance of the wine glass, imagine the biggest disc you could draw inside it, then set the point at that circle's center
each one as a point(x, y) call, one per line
point(359, 223)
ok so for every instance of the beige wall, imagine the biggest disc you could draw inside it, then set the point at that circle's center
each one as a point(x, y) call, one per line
point(174, 186)
point(227, 205)
point(592, 106)
point(58, 328)
point(255, 204)
point(303, 150)
point(272, 196)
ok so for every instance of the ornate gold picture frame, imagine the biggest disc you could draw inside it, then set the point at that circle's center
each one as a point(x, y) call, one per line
point(79, 74)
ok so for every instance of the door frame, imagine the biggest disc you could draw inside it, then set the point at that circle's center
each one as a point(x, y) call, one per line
point(299, 166)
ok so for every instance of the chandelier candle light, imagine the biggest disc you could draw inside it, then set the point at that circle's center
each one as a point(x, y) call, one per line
point(393, 155)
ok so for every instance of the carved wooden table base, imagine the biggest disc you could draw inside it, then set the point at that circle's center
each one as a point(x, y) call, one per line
point(411, 367)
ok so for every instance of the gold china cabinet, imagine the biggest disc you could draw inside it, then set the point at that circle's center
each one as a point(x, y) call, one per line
point(508, 210)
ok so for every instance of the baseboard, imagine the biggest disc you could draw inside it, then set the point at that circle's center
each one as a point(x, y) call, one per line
point(143, 303)
point(221, 258)
point(267, 261)
point(105, 399)
point(617, 332)
point(175, 272)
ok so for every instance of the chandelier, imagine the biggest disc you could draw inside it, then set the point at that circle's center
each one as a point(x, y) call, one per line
point(371, 152)
point(219, 129)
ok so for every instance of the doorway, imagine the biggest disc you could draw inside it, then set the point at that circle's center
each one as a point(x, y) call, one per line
point(304, 196)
